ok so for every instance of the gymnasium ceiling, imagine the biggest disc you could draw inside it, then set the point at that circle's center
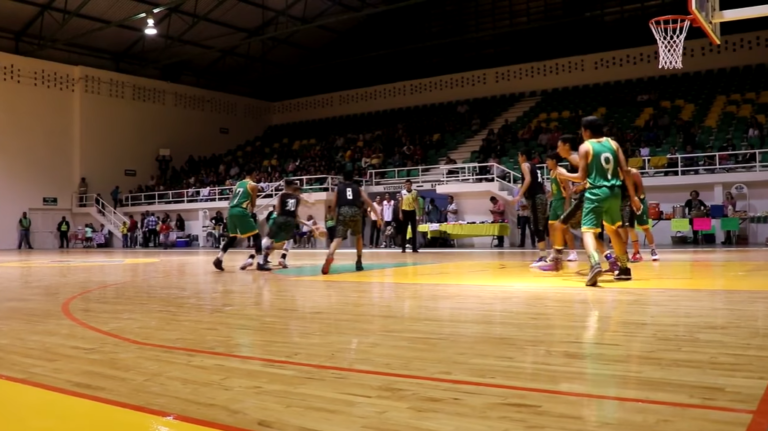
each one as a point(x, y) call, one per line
point(283, 49)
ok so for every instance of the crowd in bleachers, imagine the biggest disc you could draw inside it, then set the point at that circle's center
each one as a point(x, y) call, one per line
point(657, 119)
point(397, 138)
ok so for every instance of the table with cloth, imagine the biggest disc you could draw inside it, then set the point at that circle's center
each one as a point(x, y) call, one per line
point(459, 231)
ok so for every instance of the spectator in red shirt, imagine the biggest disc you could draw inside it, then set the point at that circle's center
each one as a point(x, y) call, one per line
point(133, 227)
point(165, 233)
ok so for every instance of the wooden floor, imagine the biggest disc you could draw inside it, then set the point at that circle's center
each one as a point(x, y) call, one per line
point(462, 341)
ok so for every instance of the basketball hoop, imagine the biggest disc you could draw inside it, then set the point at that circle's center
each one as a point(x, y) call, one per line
point(670, 33)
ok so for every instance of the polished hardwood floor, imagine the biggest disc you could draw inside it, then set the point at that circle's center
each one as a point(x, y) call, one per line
point(445, 340)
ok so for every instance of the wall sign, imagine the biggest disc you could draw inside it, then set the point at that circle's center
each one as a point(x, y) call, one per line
point(739, 189)
point(130, 172)
point(224, 130)
point(50, 202)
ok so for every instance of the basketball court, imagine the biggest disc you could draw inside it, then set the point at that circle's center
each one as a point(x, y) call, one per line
point(449, 340)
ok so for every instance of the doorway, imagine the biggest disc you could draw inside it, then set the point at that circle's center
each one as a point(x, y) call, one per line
point(43, 234)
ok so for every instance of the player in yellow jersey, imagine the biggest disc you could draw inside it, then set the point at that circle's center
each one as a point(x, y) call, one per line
point(603, 167)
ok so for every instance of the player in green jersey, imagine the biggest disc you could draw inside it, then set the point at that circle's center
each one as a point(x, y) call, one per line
point(641, 221)
point(603, 167)
point(239, 221)
point(560, 193)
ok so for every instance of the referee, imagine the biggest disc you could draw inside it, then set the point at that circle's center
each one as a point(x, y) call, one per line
point(408, 216)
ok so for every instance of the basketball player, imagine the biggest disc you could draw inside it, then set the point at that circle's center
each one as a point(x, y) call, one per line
point(239, 221)
point(283, 225)
point(641, 220)
point(533, 191)
point(561, 195)
point(602, 165)
point(571, 219)
point(348, 205)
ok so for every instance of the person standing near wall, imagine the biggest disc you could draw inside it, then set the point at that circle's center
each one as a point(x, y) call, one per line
point(24, 225)
point(82, 190)
point(63, 229)
point(115, 194)
point(408, 214)
point(387, 210)
point(133, 234)
point(373, 212)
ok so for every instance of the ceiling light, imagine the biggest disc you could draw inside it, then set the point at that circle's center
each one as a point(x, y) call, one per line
point(150, 27)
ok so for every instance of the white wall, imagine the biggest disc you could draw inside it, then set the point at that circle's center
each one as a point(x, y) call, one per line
point(736, 50)
point(60, 122)
point(37, 141)
point(124, 121)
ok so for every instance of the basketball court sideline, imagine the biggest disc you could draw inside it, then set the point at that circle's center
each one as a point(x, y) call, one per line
point(457, 340)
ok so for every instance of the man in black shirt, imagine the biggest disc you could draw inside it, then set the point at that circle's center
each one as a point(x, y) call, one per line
point(533, 191)
point(347, 205)
point(63, 228)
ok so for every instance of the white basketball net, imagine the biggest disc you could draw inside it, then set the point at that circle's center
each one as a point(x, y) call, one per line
point(670, 33)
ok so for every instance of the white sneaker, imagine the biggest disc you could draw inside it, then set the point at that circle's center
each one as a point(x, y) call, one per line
point(540, 261)
point(654, 255)
point(572, 256)
point(283, 263)
point(247, 264)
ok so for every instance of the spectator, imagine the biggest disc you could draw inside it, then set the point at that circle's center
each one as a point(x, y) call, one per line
point(433, 212)
point(150, 225)
point(673, 162)
point(695, 208)
point(25, 224)
point(88, 236)
point(165, 234)
point(133, 233)
point(497, 212)
point(82, 190)
point(729, 204)
point(375, 229)
point(63, 228)
point(690, 163)
point(180, 226)
point(126, 237)
point(451, 211)
point(115, 195)
point(163, 165)
point(645, 151)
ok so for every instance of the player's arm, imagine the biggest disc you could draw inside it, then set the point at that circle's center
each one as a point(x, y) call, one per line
point(581, 176)
point(526, 170)
point(624, 169)
point(254, 189)
point(637, 180)
point(566, 187)
point(333, 206)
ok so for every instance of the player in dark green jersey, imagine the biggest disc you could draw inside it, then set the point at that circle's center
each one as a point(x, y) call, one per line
point(560, 195)
point(602, 165)
point(240, 224)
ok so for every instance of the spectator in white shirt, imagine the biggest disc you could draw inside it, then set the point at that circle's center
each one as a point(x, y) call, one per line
point(644, 150)
point(451, 211)
point(387, 207)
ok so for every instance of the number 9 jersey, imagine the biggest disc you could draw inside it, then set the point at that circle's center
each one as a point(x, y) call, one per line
point(603, 166)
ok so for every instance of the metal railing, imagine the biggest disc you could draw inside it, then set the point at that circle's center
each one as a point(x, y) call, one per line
point(112, 217)
point(310, 184)
point(693, 164)
point(442, 174)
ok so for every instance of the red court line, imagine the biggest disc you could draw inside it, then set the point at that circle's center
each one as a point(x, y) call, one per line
point(122, 405)
point(759, 420)
point(65, 309)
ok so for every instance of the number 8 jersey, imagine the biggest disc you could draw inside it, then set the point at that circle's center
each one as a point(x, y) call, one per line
point(603, 166)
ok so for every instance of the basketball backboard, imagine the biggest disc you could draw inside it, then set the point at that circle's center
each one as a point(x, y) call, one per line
point(703, 12)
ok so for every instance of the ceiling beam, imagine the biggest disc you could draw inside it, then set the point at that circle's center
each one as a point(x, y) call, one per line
point(40, 12)
point(325, 10)
point(294, 18)
point(66, 21)
point(197, 20)
point(105, 24)
point(291, 30)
